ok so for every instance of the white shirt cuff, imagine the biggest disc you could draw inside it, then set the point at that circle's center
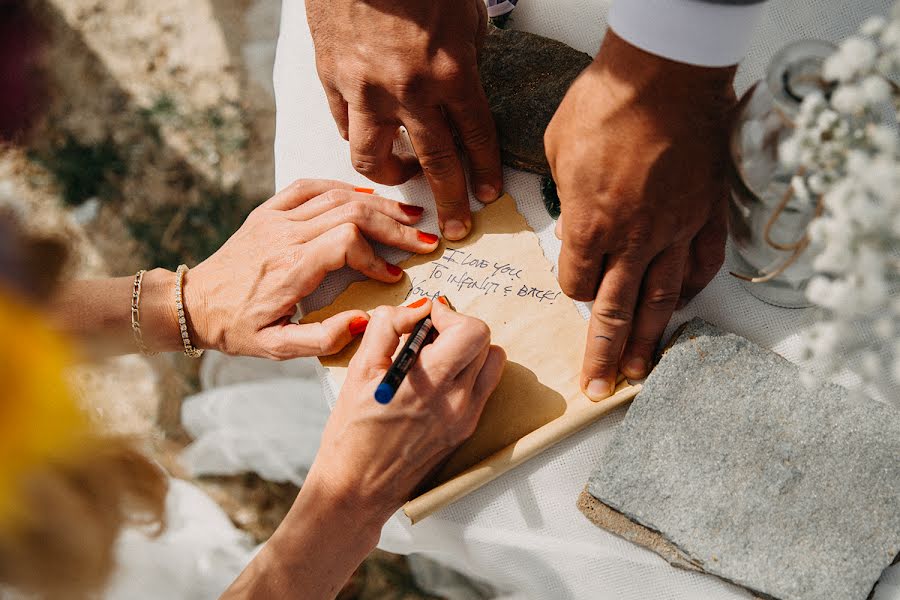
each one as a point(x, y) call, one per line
point(688, 31)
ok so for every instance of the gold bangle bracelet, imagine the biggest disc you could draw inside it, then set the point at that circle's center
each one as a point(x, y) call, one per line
point(136, 314)
point(189, 349)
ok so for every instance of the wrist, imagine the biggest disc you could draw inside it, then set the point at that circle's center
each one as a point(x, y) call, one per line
point(318, 506)
point(345, 503)
point(193, 296)
point(159, 322)
point(658, 81)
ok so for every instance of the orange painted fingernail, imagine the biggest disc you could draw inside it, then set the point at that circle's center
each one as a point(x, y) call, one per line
point(417, 303)
point(428, 238)
point(394, 269)
point(411, 209)
point(443, 300)
point(364, 190)
point(358, 325)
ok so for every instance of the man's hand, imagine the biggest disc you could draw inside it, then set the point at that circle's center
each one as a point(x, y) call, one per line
point(387, 63)
point(638, 152)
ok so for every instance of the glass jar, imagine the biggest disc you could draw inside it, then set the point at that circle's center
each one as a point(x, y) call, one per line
point(766, 224)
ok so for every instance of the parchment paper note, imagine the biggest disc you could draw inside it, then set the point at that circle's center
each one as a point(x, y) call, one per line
point(500, 275)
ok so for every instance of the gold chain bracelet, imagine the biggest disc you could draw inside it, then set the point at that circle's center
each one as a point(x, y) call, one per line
point(136, 314)
point(189, 349)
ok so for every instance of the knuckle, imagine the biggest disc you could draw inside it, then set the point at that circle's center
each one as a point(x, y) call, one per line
point(611, 317)
point(439, 163)
point(366, 164)
point(658, 299)
point(383, 313)
point(334, 197)
point(480, 330)
point(574, 288)
point(328, 340)
point(356, 212)
point(297, 185)
point(348, 234)
point(478, 137)
point(448, 69)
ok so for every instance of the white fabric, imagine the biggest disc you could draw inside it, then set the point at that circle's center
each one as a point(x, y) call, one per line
point(522, 532)
point(254, 415)
point(689, 31)
point(196, 558)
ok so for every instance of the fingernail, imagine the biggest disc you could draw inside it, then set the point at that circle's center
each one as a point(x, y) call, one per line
point(411, 210)
point(599, 389)
point(417, 303)
point(428, 238)
point(443, 300)
point(486, 193)
point(455, 230)
point(636, 368)
point(364, 190)
point(393, 269)
point(358, 325)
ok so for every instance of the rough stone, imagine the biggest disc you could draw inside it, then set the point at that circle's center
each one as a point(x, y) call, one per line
point(793, 493)
point(525, 77)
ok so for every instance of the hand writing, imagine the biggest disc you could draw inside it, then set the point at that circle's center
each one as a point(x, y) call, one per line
point(375, 455)
point(387, 63)
point(240, 300)
point(638, 152)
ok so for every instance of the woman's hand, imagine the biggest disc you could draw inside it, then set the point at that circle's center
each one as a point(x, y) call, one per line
point(240, 300)
point(373, 456)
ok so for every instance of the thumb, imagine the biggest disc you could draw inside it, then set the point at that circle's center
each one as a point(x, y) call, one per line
point(383, 334)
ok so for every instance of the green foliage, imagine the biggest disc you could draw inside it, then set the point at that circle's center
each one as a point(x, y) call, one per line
point(188, 233)
point(83, 170)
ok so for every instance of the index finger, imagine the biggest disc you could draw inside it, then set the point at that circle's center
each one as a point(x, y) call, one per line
point(433, 142)
point(302, 190)
point(611, 318)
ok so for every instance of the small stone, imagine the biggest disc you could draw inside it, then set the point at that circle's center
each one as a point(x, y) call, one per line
point(525, 77)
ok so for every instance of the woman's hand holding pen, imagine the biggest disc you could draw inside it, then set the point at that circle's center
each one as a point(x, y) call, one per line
point(375, 455)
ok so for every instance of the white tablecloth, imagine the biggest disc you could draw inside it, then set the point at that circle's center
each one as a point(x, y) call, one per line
point(522, 532)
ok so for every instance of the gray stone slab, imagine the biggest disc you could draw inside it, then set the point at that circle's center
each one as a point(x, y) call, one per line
point(790, 492)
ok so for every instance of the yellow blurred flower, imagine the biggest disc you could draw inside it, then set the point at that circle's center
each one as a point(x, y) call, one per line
point(40, 421)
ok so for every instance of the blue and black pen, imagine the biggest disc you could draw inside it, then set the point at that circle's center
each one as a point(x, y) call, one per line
point(422, 335)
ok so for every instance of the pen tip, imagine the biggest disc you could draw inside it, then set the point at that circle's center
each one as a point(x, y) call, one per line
point(384, 393)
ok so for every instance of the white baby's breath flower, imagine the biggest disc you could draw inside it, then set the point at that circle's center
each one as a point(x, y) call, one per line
point(883, 137)
point(856, 55)
point(873, 26)
point(849, 99)
point(890, 36)
point(847, 162)
point(789, 152)
point(876, 90)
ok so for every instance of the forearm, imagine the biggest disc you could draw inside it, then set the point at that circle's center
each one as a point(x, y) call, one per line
point(314, 551)
point(98, 312)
